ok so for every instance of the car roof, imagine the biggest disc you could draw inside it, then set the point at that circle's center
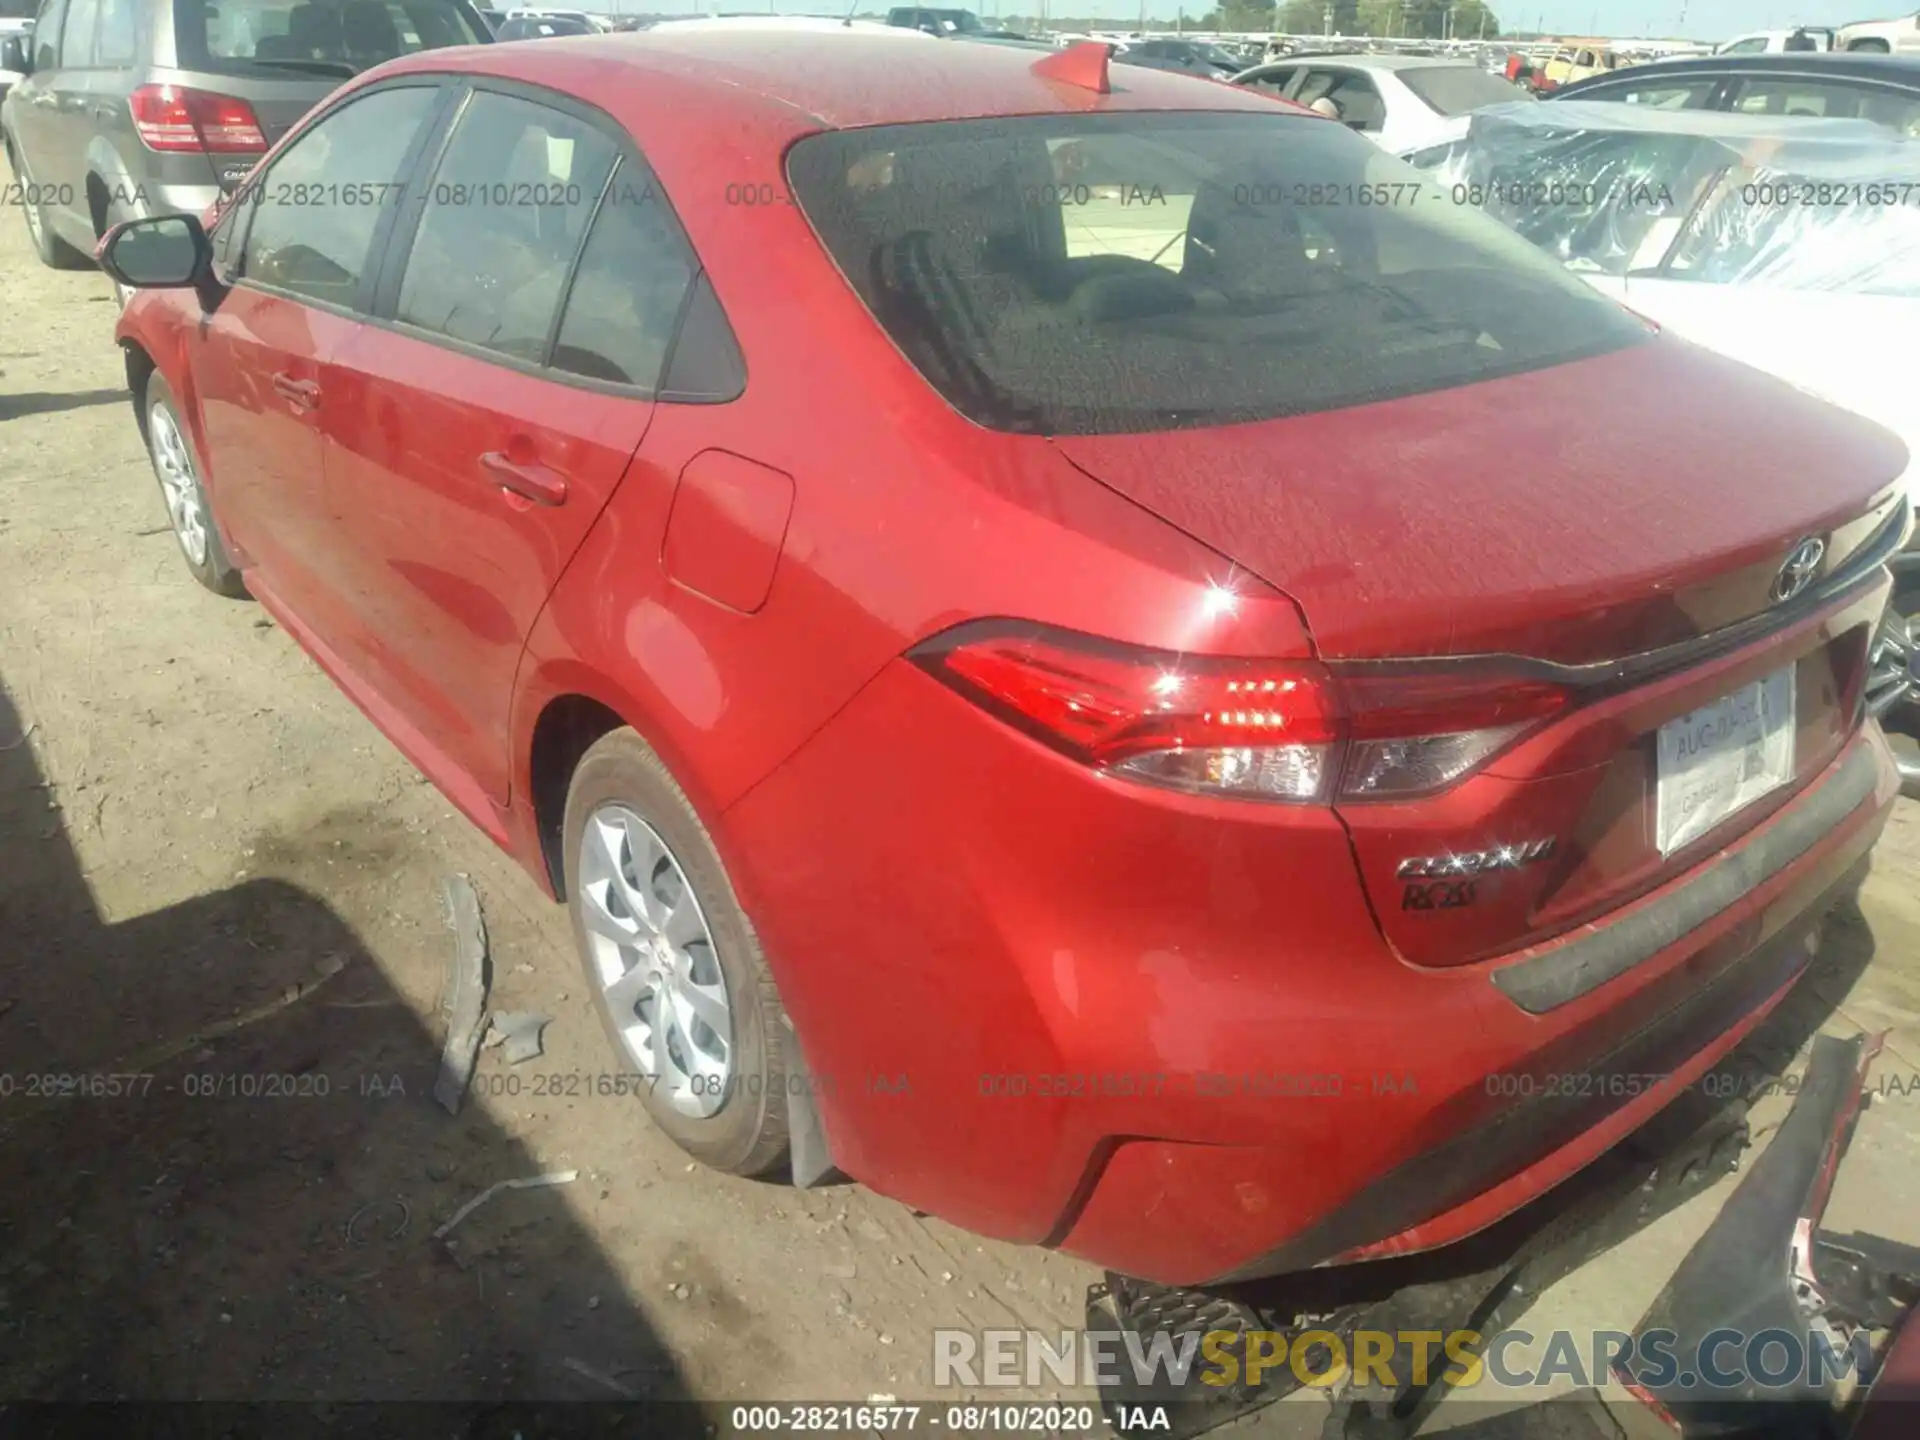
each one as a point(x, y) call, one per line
point(1903, 70)
point(839, 79)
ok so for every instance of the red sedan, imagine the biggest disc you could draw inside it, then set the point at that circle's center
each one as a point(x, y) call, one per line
point(1093, 653)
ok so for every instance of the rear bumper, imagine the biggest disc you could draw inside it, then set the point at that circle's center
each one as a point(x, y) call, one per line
point(1058, 1009)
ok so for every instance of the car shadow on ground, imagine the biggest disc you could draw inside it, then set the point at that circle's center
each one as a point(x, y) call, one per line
point(221, 1171)
point(41, 402)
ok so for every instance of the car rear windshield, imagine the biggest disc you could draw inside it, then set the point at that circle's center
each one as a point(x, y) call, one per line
point(317, 36)
point(1457, 89)
point(1150, 271)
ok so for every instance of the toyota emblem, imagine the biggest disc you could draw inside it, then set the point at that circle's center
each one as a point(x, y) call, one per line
point(1801, 567)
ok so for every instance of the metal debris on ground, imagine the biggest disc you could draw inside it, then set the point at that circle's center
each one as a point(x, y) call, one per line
point(600, 1377)
point(352, 1228)
point(520, 1031)
point(464, 1000)
point(554, 1177)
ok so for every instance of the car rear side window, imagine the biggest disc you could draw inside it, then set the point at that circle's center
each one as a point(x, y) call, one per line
point(319, 37)
point(506, 212)
point(1203, 269)
point(317, 210)
point(629, 288)
point(1457, 89)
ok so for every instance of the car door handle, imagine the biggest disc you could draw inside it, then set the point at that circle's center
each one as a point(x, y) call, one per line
point(529, 481)
point(303, 393)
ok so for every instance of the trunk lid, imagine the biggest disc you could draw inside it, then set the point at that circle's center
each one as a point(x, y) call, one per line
point(1589, 512)
point(1577, 513)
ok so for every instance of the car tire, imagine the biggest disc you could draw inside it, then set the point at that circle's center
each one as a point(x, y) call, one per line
point(189, 512)
point(661, 937)
point(1869, 47)
point(54, 252)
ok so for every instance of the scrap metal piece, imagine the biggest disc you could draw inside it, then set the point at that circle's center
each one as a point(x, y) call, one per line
point(465, 996)
point(1741, 1277)
point(528, 1182)
point(520, 1032)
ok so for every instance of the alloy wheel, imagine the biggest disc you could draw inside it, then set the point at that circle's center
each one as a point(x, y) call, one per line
point(174, 465)
point(653, 957)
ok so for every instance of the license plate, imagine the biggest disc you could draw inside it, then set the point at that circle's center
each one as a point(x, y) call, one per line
point(1719, 759)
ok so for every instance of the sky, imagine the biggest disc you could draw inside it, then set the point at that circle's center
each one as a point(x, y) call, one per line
point(1689, 19)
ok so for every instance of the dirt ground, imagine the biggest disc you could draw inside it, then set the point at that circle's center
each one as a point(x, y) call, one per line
point(220, 884)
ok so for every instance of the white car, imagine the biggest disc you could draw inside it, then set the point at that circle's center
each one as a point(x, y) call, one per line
point(1777, 42)
point(1884, 37)
point(1401, 102)
point(1787, 243)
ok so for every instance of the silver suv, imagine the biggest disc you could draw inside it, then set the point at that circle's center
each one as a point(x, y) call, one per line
point(148, 107)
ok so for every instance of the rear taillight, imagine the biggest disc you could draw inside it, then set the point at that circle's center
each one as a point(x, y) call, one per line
point(1285, 730)
point(175, 118)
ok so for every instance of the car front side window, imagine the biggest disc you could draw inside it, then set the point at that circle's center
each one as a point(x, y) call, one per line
point(317, 212)
point(505, 215)
point(46, 35)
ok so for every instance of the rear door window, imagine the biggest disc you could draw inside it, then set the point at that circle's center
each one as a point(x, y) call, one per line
point(505, 214)
point(1670, 94)
point(118, 40)
point(77, 35)
point(317, 212)
point(1209, 268)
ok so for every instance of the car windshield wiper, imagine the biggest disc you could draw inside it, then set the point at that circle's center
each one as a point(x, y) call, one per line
point(316, 67)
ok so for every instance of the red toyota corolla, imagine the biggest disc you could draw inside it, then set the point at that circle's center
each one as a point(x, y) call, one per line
point(1105, 661)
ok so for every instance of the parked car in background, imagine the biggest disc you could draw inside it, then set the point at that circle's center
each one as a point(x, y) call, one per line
point(1792, 245)
point(1800, 40)
point(945, 22)
point(1182, 57)
point(577, 22)
point(1326, 637)
point(148, 107)
point(1573, 63)
point(1879, 88)
point(790, 24)
point(1882, 37)
point(1402, 103)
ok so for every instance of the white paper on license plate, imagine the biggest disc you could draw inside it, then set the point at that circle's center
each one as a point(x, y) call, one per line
point(1722, 757)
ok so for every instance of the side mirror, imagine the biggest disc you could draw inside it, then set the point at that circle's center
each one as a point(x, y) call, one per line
point(165, 252)
point(16, 54)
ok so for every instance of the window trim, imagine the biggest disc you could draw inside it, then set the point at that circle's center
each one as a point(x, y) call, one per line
point(357, 308)
point(399, 245)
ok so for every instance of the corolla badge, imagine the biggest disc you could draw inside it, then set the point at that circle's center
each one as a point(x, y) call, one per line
point(1803, 563)
point(1475, 862)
